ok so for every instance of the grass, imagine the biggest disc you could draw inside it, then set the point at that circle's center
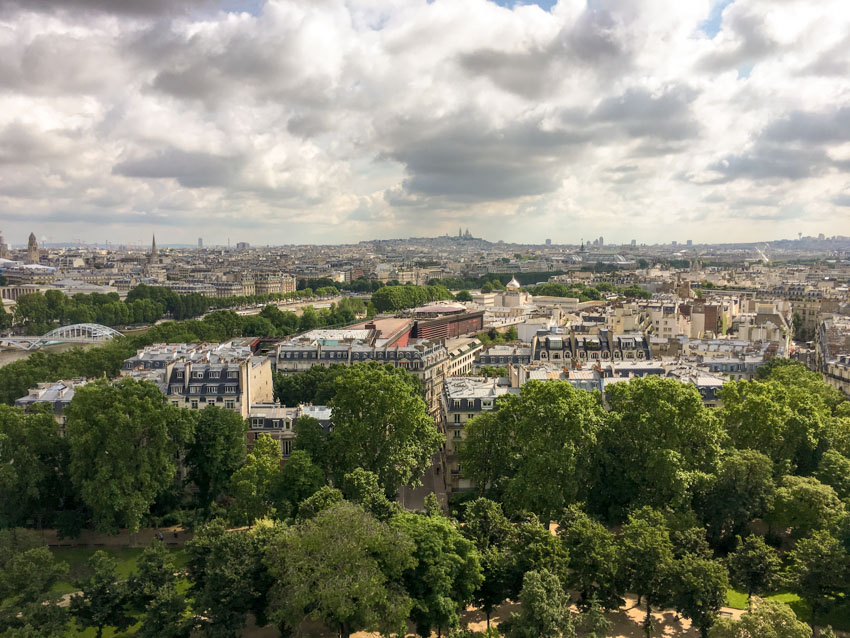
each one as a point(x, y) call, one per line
point(838, 618)
point(127, 557)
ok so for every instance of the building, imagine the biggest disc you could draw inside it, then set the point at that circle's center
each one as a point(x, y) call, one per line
point(153, 257)
point(196, 375)
point(4, 248)
point(278, 421)
point(462, 356)
point(501, 355)
point(200, 243)
point(242, 245)
point(56, 393)
point(33, 255)
point(461, 400)
point(428, 360)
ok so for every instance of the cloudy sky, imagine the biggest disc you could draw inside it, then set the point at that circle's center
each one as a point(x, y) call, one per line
point(295, 121)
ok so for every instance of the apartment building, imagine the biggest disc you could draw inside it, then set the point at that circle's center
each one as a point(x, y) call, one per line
point(278, 421)
point(196, 375)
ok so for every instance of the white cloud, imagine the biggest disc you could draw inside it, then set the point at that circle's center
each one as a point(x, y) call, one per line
point(338, 120)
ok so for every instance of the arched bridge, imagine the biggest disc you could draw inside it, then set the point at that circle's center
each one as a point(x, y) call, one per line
point(77, 333)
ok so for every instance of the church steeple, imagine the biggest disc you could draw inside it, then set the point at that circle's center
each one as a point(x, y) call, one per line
point(152, 258)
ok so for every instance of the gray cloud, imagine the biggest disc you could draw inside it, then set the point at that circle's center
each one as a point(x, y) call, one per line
point(811, 127)
point(665, 116)
point(191, 170)
point(767, 161)
point(121, 7)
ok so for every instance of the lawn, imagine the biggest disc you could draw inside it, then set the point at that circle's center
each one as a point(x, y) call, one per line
point(839, 617)
point(127, 557)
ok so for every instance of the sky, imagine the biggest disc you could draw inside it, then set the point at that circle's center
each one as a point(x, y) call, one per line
point(333, 121)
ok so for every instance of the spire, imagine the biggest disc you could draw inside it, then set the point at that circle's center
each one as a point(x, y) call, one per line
point(152, 259)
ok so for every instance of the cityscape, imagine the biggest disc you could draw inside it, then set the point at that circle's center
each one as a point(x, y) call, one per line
point(464, 318)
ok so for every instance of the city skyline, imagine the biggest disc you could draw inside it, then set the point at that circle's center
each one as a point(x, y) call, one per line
point(339, 122)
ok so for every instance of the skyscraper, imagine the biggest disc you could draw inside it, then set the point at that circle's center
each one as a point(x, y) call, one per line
point(4, 249)
point(200, 243)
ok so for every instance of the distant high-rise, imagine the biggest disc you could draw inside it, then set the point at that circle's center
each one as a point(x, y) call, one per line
point(4, 249)
point(153, 257)
point(242, 245)
point(32, 250)
point(690, 242)
point(200, 243)
point(634, 243)
point(675, 243)
point(548, 242)
point(601, 241)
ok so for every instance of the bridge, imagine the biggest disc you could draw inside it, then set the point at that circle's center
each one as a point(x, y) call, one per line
point(77, 333)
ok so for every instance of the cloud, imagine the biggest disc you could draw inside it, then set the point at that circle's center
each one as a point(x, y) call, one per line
point(402, 117)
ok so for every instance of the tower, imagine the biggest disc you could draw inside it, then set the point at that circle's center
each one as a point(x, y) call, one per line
point(152, 258)
point(32, 250)
point(4, 249)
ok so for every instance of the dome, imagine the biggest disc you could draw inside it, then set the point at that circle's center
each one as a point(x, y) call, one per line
point(513, 284)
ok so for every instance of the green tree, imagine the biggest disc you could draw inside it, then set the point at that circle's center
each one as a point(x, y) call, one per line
point(102, 601)
point(165, 616)
point(818, 572)
point(27, 575)
point(804, 504)
point(594, 560)
point(646, 553)
point(312, 438)
point(382, 427)
point(155, 571)
point(486, 287)
point(463, 295)
point(699, 587)
point(659, 441)
point(228, 576)
point(534, 547)
point(33, 466)
point(323, 499)
point(362, 487)
point(446, 573)
point(298, 480)
point(754, 566)
point(487, 527)
point(124, 441)
point(834, 470)
point(217, 451)
point(6, 318)
point(342, 568)
point(545, 609)
point(594, 622)
point(765, 619)
point(741, 490)
point(254, 483)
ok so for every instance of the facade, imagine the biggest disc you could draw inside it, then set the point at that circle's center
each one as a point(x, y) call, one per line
point(196, 375)
point(574, 350)
point(449, 326)
point(462, 399)
point(462, 355)
point(58, 394)
point(428, 360)
point(278, 421)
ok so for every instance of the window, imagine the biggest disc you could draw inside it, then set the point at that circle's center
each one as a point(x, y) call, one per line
point(230, 389)
point(287, 425)
point(232, 374)
point(211, 402)
point(230, 404)
point(276, 424)
point(469, 416)
point(214, 374)
point(457, 403)
point(286, 447)
point(175, 403)
point(212, 389)
point(198, 374)
point(457, 434)
point(257, 422)
point(457, 418)
point(176, 389)
point(194, 389)
point(194, 404)
point(179, 374)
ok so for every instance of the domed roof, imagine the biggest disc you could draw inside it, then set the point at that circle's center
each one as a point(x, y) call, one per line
point(513, 284)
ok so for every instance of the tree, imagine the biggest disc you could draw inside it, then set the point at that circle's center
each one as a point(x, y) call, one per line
point(228, 575)
point(463, 295)
point(818, 572)
point(486, 524)
point(342, 568)
point(646, 554)
point(362, 487)
point(33, 466)
point(784, 420)
point(804, 504)
point(658, 442)
point(312, 438)
point(741, 490)
point(298, 480)
point(490, 530)
point(765, 619)
point(534, 547)
point(594, 622)
point(165, 616)
point(445, 575)
point(323, 499)
point(699, 590)
point(381, 426)
point(486, 287)
point(594, 560)
point(754, 566)
point(253, 484)
point(545, 609)
point(123, 441)
point(217, 451)
point(155, 571)
point(103, 600)
point(6, 318)
point(834, 470)
point(557, 425)
point(27, 574)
